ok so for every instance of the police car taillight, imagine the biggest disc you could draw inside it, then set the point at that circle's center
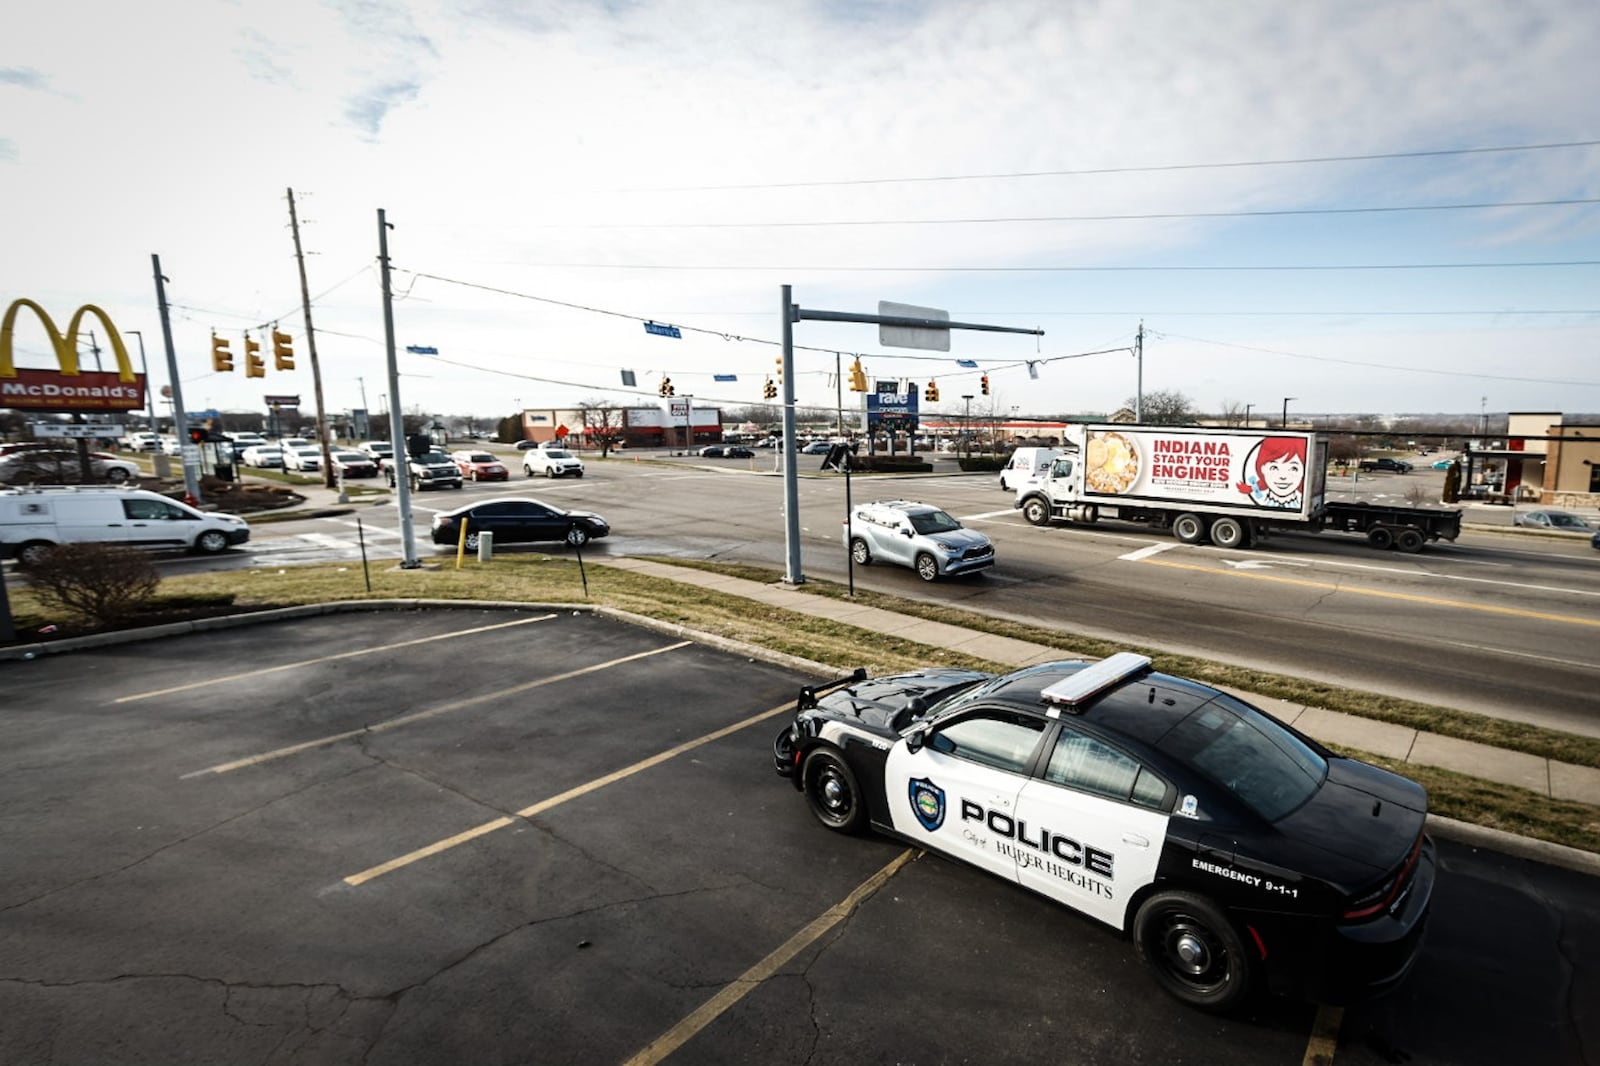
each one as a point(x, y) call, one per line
point(1072, 692)
point(1373, 903)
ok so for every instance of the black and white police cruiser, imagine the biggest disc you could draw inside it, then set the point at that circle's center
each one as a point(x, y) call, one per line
point(1236, 852)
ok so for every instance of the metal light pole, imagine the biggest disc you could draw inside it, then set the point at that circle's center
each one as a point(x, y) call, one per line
point(966, 426)
point(1247, 414)
point(144, 365)
point(1283, 423)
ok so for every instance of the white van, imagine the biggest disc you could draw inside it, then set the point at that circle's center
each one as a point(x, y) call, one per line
point(34, 520)
point(1026, 465)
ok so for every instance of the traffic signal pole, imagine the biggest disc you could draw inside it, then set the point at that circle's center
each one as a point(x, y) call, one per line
point(311, 352)
point(180, 419)
point(397, 426)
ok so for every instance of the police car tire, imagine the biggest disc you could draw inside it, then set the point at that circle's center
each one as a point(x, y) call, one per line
point(859, 552)
point(1193, 950)
point(832, 791)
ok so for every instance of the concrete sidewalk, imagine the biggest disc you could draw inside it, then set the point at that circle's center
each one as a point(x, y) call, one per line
point(1557, 780)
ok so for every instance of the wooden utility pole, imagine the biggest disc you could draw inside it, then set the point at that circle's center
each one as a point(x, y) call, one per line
point(311, 349)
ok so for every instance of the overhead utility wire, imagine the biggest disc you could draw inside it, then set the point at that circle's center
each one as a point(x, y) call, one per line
point(1152, 217)
point(1151, 169)
point(799, 268)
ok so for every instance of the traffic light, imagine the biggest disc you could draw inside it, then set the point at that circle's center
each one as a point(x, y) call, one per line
point(983, 383)
point(858, 377)
point(779, 361)
point(282, 350)
point(197, 435)
point(666, 388)
point(769, 391)
point(253, 366)
point(221, 358)
point(931, 393)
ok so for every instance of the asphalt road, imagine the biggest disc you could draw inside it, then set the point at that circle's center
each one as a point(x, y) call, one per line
point(469, 836)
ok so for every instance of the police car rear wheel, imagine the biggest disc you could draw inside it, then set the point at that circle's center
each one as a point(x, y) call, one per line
point(832, 792)
point(1193, 950)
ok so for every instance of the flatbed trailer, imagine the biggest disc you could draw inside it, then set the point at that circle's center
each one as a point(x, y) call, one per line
point(1405, 528)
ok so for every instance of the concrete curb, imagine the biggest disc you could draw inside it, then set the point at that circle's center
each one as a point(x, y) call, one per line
point(1498, 840)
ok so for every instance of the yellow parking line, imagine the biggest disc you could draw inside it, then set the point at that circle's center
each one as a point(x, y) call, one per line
point(1324, 1037)
point(432, 712)
point(555, 801)
point(751, 979)
point(327, 659)
point(1408, 597)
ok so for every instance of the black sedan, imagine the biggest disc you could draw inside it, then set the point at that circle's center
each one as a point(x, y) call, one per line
point(517, 521)
point(1235, 851)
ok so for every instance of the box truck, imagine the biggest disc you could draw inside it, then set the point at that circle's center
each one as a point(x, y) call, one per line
point(1229, 486)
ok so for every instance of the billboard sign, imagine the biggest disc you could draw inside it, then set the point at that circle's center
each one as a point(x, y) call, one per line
point(891, 408)
point(68, 387)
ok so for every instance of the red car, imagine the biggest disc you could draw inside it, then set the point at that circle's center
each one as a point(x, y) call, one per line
point(480, 466)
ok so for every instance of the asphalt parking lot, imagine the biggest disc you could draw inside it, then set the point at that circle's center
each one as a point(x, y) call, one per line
point(542, 837)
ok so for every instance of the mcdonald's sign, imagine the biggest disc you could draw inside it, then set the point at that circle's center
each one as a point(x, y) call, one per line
point(68, 388)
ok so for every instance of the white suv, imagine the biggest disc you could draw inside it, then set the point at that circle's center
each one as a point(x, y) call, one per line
point(917, 535)
point(551, 462)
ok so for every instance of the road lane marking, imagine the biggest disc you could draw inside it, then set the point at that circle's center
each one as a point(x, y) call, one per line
point(326, 659)
point(1407, 597)
point(991, 514)
point(432, 712)
point(751, 979)
point(1146, 552)
point(570, 794)
point(1324, 1037)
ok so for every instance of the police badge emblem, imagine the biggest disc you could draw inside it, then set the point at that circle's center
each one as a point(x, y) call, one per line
point(927, 803)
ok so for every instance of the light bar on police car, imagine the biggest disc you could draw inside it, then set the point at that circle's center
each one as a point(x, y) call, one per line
point(1093, 680)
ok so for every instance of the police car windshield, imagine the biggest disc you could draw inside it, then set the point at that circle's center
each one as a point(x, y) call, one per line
point(933, 522)
point(1271, 770)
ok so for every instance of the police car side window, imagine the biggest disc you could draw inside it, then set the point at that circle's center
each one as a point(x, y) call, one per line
point(994, 738)
point(1082, 762)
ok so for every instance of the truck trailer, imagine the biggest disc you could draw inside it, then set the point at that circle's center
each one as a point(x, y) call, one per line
point(1232, 487)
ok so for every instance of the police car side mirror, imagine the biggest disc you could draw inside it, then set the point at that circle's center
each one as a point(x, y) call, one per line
point(914, 739)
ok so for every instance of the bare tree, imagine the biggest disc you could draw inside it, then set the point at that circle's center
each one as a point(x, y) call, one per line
point(603, 424)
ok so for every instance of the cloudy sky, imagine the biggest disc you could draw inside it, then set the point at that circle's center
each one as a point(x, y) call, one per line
point(1367, 206)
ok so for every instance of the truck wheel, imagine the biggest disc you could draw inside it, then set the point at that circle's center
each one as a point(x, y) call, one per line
point(859, 552)
point(33, 552)
point(1189, 528)
point(1227, 532)
point(1410, 541)
point(1380, 537)
point(1194, 951)
point(211, 542)
point(927, 567)
point(1036, 511)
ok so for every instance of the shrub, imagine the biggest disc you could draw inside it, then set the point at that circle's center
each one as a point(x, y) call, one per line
point(99, 583)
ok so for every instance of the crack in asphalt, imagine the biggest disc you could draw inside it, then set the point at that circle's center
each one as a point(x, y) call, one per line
point(79, 882)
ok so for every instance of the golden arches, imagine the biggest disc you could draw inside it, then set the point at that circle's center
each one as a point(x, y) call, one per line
point(65, 345)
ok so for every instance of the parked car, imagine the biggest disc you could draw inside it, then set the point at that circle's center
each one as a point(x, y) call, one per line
point(518, 521)
point(917, 535)
point(264, 456)
point(1564, 521)
point(378, 449)
point(1393, 466)
point(306, 458)
point(524, 445)
point(34, 520)
point(141, 442)
point(60, 466)
point(349, 463)
point(816, 447)
point(739, 451)
point(1235, 852)
point(1594, 541)
point(551, 462)
point(712, 451)
point(1443, 464)
point(480, 466)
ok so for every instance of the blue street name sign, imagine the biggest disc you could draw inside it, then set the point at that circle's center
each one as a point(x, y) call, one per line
point(662, 331)
point(422, 349)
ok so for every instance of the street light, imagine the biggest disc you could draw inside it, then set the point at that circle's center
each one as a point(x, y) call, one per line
point(1247, 414)
point(1284, 422)
point(966, 426)
point(150, 394)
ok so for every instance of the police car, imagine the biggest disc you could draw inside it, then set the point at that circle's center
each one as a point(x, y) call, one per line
point(1236, 852)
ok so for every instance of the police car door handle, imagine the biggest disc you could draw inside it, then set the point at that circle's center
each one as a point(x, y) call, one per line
point(1136, 840)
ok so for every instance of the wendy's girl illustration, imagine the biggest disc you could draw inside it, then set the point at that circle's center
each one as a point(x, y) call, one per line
point(1275, 474)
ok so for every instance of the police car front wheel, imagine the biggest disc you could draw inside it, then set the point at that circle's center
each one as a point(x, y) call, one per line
point(1194, 951)
point(832, 791)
